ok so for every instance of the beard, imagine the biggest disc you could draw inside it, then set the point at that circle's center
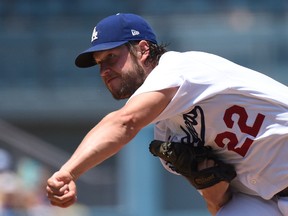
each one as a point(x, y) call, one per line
point(131, 80)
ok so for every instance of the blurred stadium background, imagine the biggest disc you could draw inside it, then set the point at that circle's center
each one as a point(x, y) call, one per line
point(48, 105)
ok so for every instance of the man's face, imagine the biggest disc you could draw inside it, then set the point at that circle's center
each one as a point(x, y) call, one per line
point(120, 70)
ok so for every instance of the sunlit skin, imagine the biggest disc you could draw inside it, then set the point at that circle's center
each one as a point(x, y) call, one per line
point(121, 71)
point(217, 195)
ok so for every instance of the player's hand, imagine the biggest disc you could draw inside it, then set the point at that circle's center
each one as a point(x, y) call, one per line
point(61, 189)
point(206, 164)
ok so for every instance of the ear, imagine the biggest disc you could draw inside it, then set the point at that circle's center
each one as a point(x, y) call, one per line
point(143, 50)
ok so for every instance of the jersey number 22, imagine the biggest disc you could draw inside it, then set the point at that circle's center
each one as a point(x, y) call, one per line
point(230, 139)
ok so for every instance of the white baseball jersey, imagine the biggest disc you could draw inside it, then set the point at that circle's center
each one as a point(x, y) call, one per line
point(240, 113)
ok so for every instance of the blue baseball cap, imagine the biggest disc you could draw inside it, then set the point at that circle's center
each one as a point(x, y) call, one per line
point(114, 31)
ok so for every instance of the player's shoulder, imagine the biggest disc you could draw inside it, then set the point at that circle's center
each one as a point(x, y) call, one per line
point(174, 56)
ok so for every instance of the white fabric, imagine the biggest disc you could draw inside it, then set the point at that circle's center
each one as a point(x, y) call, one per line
point(241, 113)
point(283, 205)
point(244, 205)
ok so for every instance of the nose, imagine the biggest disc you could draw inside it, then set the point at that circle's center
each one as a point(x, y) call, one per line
point(104, 70)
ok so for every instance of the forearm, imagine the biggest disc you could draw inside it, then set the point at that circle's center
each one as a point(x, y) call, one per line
point(216, 196)
point(103, 141)
point(117, 129)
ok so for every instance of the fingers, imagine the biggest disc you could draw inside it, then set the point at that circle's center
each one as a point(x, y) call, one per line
point(64, 205)
point(58, 182)
point(206, 164)
point(63, 201)
point(56, 190)
point(61, 190)
point(56, 185)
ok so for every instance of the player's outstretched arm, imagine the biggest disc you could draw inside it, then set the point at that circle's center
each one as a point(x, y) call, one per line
point(106, 139)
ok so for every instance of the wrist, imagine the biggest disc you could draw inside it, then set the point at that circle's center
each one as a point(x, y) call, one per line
point(72, 175)
point(217, 196)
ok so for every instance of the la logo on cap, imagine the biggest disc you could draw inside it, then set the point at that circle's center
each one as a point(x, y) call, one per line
point(94, 35)
point(135, 32)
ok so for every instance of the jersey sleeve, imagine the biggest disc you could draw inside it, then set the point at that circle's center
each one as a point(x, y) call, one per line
point(186, 72)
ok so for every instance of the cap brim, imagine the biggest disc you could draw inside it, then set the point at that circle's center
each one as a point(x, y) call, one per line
point(85, 59)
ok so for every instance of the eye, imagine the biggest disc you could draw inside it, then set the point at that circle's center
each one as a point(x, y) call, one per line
point(111, 58)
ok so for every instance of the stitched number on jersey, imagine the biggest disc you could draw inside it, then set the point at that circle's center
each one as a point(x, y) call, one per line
point(231, 138)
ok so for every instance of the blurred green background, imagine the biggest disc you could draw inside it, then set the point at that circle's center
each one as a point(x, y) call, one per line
point(48, 105)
